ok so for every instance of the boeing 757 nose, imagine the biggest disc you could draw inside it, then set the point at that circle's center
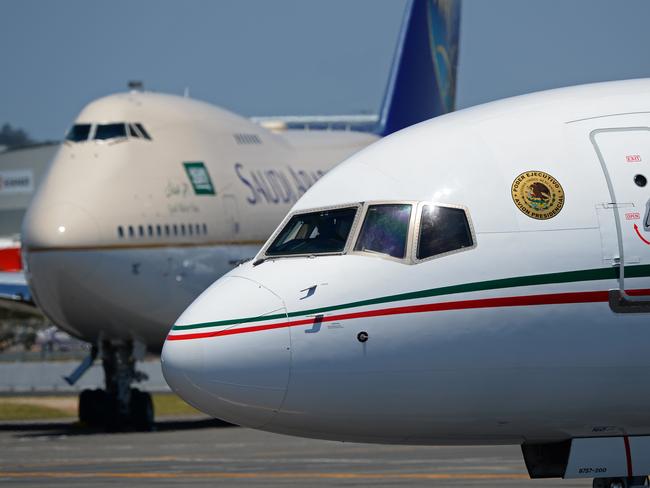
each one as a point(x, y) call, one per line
point(232, 367)
point(480, 278)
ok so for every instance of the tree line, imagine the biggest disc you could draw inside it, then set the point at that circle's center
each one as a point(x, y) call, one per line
point(14, 137)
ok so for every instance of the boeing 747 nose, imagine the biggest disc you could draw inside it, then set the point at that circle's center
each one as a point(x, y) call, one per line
point(57, 226)
point(233, 367)
point(177, 193)
point(56, 238)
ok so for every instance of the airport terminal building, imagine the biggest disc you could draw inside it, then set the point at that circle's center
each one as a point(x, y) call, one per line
point(21, 170)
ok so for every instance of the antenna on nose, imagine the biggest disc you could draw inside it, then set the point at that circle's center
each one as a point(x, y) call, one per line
point(136, 85)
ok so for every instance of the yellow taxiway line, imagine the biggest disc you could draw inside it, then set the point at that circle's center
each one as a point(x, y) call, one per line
point(269, 475)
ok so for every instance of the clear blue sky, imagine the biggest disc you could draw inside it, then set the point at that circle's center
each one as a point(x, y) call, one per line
point(263, 57)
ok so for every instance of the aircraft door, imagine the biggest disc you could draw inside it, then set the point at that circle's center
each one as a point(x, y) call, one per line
point(231, 213)
point(624, 155)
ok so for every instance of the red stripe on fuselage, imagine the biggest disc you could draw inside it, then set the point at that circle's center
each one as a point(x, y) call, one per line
point(549, 299)
point(628, 456)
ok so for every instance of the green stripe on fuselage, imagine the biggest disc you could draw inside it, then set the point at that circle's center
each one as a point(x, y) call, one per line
point(542, 279)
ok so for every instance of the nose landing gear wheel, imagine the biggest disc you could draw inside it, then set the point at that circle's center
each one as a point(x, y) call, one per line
point(141, 410)
point(92, 408)
point(118, 406)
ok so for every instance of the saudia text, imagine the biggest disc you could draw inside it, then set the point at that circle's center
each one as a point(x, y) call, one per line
point(276, 185)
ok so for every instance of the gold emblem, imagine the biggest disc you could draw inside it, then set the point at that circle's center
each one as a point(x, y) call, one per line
point(538, 195)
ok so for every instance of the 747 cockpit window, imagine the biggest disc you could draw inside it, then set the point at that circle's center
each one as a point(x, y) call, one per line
point(319, 232)
point(442, 230)
point(103, 132)
point(78, 133)
point(385, 230)
point(132, 131)
point(143, 131)
point(110, 131)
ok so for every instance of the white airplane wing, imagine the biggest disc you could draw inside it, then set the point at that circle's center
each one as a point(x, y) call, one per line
point(15, 295)
point(359, 122)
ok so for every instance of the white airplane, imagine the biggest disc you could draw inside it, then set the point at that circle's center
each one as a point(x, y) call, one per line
point(480, 278)
point(153, 197)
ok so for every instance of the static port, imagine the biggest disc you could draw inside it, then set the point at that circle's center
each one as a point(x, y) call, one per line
point(640, 180)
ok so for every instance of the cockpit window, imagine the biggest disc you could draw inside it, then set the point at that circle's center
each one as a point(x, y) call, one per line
point(78, 133)
point(110, 131)
point(442, 229)
point(133, 132)
point(319, 232)
point(143, 131)
point(385, 230)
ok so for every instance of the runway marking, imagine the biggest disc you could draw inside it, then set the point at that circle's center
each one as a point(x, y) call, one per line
point(77, 463)
point(279, 475)
point(85, 462)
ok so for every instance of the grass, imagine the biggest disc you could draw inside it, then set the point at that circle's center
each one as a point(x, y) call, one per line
point(171, 404)
point(22, 411)
point(49, 407)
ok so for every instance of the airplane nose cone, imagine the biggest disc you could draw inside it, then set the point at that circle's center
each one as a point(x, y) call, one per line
point(60, 225)
point(233, 367)
point(52, 234)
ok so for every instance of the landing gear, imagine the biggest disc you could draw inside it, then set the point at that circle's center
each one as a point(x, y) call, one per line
point(633, 482)
point(141, 410)
point(92, 407)
point(118, 406)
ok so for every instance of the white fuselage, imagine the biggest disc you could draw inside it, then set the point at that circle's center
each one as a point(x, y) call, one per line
point(510, 340)
point(119, 239)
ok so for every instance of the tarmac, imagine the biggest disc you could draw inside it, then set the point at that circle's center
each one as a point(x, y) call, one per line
point(204, 452)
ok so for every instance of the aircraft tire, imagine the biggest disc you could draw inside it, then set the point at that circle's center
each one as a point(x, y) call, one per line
point(85, 407)
point(142, 414)
point(92, 407)
point(112, 421)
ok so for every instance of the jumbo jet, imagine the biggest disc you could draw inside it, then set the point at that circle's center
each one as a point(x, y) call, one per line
point(152, 197)
point(479, 278)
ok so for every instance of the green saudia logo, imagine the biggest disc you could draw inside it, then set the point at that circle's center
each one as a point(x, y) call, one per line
point(199, 177)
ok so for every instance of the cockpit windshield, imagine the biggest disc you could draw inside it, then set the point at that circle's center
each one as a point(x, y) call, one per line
point(409, 232)
point(442, 230)
point(78, 133)
point(319, 232)
point(385, 230)
point(143, 131)
point(110, 131)
point(104, 132)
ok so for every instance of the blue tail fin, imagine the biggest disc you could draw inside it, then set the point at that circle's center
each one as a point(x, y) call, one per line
point(422, 82)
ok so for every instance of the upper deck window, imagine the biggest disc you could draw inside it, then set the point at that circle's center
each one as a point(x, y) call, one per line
point(110, 131)
point(385, 230)
point(442, 229)
point(319, 232)
point(78, 133)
